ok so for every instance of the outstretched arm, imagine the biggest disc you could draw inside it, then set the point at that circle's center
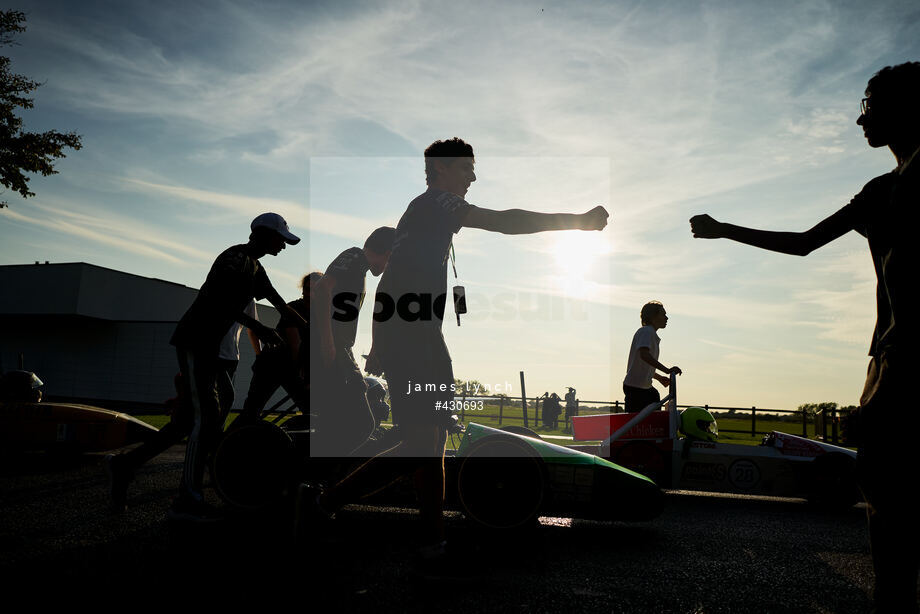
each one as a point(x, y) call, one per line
point(521, 222)
point(794, 243)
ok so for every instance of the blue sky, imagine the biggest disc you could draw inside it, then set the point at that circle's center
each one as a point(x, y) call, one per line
point(197, 118)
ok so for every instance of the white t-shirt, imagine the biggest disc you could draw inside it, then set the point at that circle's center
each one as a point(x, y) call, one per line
point(638, 372)
point(230, 344)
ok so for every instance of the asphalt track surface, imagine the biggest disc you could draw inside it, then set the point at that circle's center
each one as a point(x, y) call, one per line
point(705, 553)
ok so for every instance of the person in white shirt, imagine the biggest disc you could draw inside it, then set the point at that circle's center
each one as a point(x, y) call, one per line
point(228, 359)
point(642, 365)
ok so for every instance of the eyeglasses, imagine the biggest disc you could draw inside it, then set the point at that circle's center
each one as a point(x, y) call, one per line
point(864, 106)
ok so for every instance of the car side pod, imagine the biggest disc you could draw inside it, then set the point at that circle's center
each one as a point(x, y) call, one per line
point(507, 480)
point(67, 427)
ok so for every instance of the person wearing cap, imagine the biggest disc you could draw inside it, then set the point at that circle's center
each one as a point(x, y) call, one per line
point(235, 278)
point(344, 419)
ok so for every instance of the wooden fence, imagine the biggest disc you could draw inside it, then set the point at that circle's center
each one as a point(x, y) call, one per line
point(822, 422)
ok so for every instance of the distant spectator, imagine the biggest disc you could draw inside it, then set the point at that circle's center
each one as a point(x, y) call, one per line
point(571, 407)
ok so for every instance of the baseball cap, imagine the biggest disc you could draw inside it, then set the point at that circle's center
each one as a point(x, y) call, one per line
point(275, 222)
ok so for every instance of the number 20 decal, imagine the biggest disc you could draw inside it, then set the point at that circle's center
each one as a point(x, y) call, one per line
point(743, 474)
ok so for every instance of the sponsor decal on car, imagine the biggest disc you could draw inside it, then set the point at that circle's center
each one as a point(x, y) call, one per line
point(790, 445)
point(703, 472)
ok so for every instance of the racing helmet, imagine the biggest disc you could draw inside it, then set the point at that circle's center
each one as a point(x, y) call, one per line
point(21, 386)
point(698, 423)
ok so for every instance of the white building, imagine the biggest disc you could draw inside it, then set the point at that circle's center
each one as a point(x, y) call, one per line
point(98, 335)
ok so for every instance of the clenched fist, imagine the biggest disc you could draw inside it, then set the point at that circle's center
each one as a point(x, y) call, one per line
point(704, 227)
point(595, 219)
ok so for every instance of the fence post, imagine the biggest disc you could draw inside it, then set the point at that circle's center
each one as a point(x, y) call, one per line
point(753, 422)
point(834, 425)
point(804, 424)
point(524, 400)
point(501, 408)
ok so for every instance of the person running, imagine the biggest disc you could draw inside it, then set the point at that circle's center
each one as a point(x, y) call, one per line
point(344, 419)
point(408, 346)
point(885, 212)
point(642, 365)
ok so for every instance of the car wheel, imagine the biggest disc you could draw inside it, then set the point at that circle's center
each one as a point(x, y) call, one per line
point(501, 483)
point(252, 464)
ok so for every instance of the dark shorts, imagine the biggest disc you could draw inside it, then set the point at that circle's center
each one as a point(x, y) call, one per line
point(419, 374)
point(637, 398)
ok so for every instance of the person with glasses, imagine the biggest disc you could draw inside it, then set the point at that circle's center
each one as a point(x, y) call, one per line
point(885, 212)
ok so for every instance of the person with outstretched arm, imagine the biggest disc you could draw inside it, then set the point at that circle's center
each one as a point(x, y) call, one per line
point(408, 346)
point(885, 212)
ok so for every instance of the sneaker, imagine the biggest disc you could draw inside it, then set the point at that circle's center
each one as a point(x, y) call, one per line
point(119, 475)
point(185, 509)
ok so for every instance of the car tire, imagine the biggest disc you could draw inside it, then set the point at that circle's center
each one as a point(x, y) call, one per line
point(501, 483)
point(252, 465)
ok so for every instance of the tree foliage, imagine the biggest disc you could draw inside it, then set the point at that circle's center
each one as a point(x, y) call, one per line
point(20, 151)
point(826, 407)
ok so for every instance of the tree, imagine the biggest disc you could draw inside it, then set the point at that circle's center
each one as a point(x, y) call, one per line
point(810, 409)
point(23, 152)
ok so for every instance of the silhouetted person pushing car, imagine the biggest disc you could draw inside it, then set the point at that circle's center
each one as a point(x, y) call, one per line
point(235, 278)
point(885, 212)
point(338, 392)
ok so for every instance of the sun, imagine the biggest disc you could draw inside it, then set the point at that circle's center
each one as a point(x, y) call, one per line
point(576, 254)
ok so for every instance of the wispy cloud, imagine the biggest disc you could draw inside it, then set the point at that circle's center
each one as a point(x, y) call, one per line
point(114, 231)
point(296, 214)
point(658, 114)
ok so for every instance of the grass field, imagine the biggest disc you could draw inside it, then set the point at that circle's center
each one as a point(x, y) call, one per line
point(512, 415)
